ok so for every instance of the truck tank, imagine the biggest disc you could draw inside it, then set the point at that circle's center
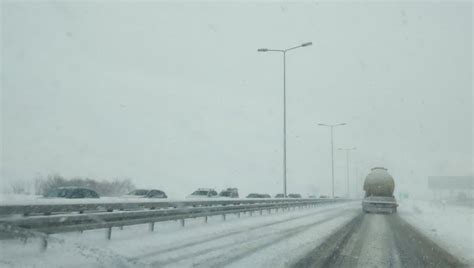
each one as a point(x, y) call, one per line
point(378, 187)
point(379, 183)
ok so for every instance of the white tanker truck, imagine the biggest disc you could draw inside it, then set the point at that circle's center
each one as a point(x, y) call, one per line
point(378, 187)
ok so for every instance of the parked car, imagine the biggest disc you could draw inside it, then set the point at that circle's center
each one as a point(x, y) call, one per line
point(71, 192)
point(147, 193)
point(203, 193)
point(294, 196)
point(255, 195)
point(279, 196)
point(229, 192)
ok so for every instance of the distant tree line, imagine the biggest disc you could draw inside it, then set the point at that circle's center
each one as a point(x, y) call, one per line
point(115, 187)
point(20, 187)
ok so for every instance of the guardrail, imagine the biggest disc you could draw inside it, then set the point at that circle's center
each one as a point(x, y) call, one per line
point(59, 218)
point(48, 209)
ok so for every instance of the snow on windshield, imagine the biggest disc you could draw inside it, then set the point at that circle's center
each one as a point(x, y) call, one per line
point(310, 134)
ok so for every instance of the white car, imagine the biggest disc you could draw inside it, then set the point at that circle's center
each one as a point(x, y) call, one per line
point(203, 193)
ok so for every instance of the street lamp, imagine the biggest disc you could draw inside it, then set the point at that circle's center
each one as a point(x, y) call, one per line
point(284, 101)
point(347, 164)
point(332, 150)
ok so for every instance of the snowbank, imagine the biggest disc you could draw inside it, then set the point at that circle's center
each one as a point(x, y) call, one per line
point(452, 227)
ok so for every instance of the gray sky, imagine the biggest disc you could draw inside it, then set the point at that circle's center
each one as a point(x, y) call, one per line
point(176, 96)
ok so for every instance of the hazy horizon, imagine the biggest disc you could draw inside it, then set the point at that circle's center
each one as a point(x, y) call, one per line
point(175, 96)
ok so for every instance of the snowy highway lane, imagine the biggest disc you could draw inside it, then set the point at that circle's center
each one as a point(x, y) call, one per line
point(268, 240)
point(272, 243)
point(378, 240)
point(331, 235)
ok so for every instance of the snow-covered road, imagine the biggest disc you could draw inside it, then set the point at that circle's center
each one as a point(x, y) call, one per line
point(275, 240)
point(331, 235)
point(378, 240)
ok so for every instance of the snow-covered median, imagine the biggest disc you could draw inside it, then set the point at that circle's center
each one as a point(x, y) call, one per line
point(452, 227)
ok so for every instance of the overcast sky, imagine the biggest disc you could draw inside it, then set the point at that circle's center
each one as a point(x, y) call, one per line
point(176, 96)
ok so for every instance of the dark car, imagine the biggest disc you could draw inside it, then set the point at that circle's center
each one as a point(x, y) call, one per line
point(279, 196)
point(147, 193)
point(255, 195)
point(229, 192)
point(294, 196)
point(324, 196)
point(203, 193)
point(71, 192)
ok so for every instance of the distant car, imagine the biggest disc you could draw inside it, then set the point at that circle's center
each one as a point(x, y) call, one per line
point(146, 193)
point(229, 192)
point(279, 196)
point(203, 193)
point(312, 196)
point(71, 192)
point(255, 195)
point(294, 196)
point(324, 196)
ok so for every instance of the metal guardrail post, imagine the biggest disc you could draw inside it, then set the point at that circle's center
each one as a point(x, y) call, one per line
point(223, 217)
point(182, 222)
point(152, 226)
point(109, 233)
point(205, 219)
point(44, 243)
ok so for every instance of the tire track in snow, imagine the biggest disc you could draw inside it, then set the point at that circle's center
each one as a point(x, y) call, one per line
point(106, 257)
point(378, 240)
point(231, 233)
point(238, 250)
